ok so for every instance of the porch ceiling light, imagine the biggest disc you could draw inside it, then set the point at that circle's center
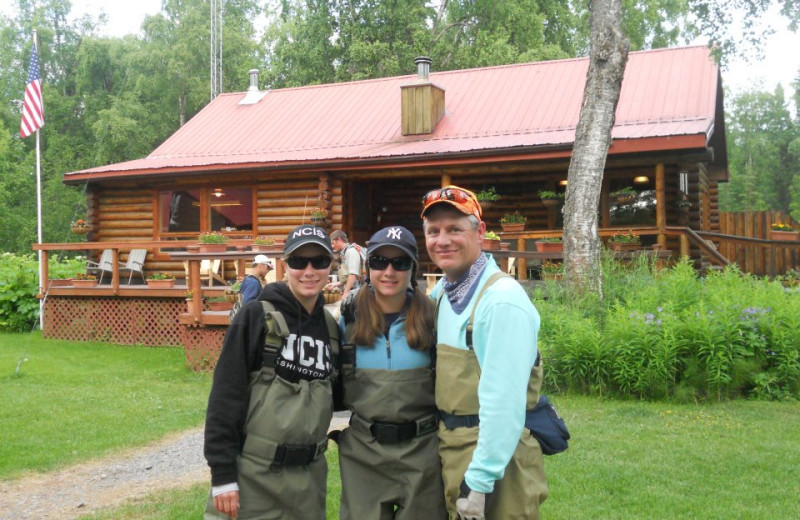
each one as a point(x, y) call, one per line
point(641, 179)
point(562, 182)
point(218, 192)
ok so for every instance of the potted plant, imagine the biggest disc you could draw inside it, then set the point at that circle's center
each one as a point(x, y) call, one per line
point(79, 226)
point(512, 222)
point(264, 244)
point(551, 271)
point(160, 280)
point(550, 245)
point(190, 302)
point(213, 242)
point(491, 241)
point(625, 195)
point(218, 303)
point(629, 241)
point(487, 197)
point(318, 216)
point(551, 198)
point(784, 232)
point(83, 280)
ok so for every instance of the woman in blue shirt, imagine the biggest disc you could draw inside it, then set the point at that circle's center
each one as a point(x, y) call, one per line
point(389, 455)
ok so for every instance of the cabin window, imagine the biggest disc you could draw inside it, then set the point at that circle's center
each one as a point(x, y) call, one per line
point(191, 211)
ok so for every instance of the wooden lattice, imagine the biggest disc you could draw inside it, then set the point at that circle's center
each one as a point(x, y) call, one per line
point(202, 346)
point(123, 321)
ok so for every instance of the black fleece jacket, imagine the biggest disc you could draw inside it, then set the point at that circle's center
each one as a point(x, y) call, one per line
point(242, 354)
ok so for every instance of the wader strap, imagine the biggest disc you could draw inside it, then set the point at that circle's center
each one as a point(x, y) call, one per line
point(451, 422)
point(277, 331)
point(492, 279)
point(333, 337)
point(348, 350)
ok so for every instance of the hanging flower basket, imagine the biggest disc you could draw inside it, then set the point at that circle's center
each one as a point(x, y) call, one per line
point(551, 203)
point(625, 199)
point(319, 221)
point(79, 230)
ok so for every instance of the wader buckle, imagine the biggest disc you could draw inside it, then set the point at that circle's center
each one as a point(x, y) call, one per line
point(298, 454)
point(392, 433)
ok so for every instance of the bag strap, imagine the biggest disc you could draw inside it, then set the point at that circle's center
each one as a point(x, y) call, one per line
point(492, 279)
point(333, 337)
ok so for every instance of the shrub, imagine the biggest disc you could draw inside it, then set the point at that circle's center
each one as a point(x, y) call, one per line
point(669, 334)
point(19, 278)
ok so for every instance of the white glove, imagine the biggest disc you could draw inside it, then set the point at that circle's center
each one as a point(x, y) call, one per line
point(470, 505)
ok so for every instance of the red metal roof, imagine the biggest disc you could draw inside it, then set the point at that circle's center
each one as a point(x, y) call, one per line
point(513, 108)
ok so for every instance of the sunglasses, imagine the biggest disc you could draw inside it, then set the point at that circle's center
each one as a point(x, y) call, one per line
point(453, 194)
point(301, 262)
point(379, 263)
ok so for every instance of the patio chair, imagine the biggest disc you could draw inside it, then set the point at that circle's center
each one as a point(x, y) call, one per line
point(135, 264)
point(209, 271)
point(103, 265)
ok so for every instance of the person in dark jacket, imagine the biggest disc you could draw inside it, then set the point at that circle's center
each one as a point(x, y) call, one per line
point(252, 283)
point(271, 401)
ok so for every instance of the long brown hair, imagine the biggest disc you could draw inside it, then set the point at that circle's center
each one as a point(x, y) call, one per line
point(369, 322)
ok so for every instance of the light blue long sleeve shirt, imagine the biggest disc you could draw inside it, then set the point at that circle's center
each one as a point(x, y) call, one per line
point(505, 339)
point(391, 354)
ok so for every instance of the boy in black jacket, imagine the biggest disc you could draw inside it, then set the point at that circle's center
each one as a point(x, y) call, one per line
point(271, 402)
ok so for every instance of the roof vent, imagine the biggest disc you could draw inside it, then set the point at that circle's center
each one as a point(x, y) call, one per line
point(423, 67)
point(253, 95)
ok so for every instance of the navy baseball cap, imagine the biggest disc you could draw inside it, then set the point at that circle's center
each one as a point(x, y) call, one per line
point(396, 236)
point(307, 234)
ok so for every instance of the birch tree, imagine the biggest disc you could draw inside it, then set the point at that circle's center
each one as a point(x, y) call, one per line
point(608, 54)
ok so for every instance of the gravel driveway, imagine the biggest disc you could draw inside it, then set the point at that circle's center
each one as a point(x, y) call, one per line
point(176, 461)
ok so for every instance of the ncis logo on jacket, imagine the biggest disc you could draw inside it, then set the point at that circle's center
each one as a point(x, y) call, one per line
point(304, 357)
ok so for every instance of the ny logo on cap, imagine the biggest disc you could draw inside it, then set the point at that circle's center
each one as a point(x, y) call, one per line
point(394, 233)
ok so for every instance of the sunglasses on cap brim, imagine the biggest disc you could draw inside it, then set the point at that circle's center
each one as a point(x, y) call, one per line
point(465, 199)
point(379, 263)
point(301, 262)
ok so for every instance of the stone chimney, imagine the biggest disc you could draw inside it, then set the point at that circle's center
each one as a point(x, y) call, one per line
point(422, 102)
point(253, 95)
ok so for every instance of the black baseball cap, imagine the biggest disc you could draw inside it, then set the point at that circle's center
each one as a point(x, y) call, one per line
point(307, 234)
point(396, 236)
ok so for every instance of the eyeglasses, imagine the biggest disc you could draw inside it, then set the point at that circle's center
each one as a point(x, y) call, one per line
point(379, 263)
point(301, 262)
point(464, 199)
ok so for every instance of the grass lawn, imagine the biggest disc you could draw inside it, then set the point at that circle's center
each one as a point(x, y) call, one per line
point(71, 401)
point(628, 459)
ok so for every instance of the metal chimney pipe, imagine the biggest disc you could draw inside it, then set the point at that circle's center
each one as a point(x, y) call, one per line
point(253, 79)
point(423, 67)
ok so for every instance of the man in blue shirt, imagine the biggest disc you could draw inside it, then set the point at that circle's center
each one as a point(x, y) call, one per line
point(486, 378)
point(252, 283)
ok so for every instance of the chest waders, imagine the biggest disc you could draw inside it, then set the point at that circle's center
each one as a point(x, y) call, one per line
point(523, 486)
point(388, 457)
point(282, 470)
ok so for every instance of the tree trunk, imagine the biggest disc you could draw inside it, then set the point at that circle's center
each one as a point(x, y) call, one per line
point(608, 54)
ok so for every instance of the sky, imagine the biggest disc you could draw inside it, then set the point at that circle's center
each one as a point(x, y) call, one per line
point(780, 64)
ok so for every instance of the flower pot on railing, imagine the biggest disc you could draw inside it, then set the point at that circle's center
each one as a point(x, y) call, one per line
point(76, 282)
point(220, 305)
point(624, 246)
point(213, 248)
point(513, 227)
point(784, 236)
point(549, 247)
point(164, 283)
point(491, 245)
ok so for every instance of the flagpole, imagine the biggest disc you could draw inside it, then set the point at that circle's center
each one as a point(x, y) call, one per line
point(39, 211)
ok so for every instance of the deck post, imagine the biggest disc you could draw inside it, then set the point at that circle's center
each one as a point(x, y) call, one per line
point(661, 205)
point(115, 270)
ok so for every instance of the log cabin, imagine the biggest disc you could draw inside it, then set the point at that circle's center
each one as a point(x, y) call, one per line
point(257, 163)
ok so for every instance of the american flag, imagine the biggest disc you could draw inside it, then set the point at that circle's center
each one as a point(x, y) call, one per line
point(32, 106)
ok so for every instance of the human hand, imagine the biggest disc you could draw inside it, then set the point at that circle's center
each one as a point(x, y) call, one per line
point(228, 503)
point(470, 505)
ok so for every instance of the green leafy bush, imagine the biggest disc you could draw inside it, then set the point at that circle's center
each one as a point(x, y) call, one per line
point(19, 279)
point(669, 334)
